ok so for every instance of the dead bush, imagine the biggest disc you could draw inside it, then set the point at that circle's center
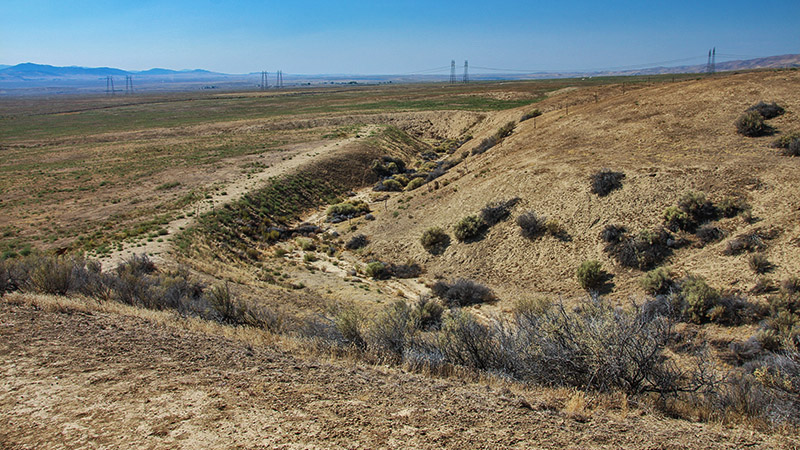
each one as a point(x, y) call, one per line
point(531, 225)
point(643, 250)
point(462, 292)
point(496, 212)
point(767, 110)
point(752, 124)
point(357, 241)
point(605, 181)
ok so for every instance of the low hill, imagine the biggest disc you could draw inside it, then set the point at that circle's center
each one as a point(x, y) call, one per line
point(667, 139)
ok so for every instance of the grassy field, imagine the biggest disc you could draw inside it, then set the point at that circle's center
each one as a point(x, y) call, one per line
point(100, 168)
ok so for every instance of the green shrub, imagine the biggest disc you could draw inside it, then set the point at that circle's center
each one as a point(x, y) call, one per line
point(468, 228)
point(377, 270)
point(591, 275)
point(402, 179)
point(699, 298)
point(642, 251)
point(435, 240)
point(675, 219)
point(391, 185)
point(415, 183)
point(309, 257)
point(346, 210)
point(657, 281)
point(307, 245)
point(751, 124)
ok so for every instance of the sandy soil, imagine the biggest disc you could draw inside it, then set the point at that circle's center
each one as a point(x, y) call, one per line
point(93, 379)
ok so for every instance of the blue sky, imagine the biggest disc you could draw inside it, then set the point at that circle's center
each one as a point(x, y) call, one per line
point(375, 37)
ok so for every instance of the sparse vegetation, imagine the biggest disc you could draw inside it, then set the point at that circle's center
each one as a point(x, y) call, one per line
point(759, 263)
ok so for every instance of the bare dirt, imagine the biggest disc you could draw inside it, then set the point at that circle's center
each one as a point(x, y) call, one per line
point(94, 379)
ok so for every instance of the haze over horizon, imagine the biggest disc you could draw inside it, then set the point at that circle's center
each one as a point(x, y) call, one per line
point(404, 37)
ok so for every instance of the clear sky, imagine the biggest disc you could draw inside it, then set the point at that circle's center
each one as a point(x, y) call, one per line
point(391, 37)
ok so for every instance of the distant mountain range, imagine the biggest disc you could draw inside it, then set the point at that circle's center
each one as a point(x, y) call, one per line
point(39, 71)
point(37, 79)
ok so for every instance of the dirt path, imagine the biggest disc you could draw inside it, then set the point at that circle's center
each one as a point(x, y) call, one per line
point(100, 380)
point(231, 191)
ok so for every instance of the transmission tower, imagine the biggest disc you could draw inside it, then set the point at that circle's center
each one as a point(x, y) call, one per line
point(708, 63)
point(714, 60)
point(466, 71)
point(128, 84)
point(452, 71)
point(109, 85)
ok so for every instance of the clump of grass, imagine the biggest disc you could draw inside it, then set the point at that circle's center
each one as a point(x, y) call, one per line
point(305, 244)
point(789, 144)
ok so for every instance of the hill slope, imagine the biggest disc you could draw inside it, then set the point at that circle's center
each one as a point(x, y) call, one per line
point(668, 139)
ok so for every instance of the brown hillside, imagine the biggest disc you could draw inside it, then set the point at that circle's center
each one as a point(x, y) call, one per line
point(667, 139)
